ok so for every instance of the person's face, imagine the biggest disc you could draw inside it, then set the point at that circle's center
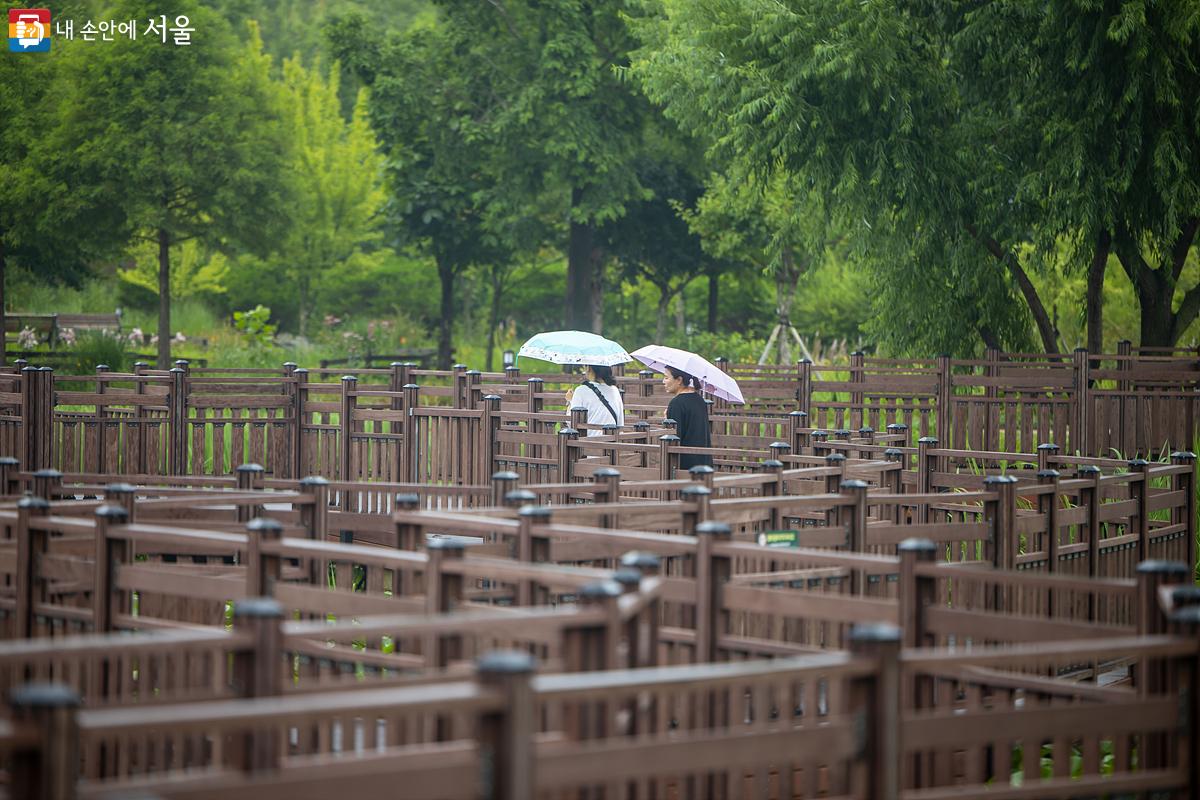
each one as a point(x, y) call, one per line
point(671, 383)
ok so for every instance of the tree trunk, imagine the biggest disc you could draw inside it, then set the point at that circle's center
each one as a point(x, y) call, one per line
point(302, 291)
point(580, 271)
point(3, 321)
point(1041, 319)
point(1155, 288)
point(1095, 295)
point(164, 299)
point(446, 273)
point(597, 293)
point(680, 314)
point(493, 317)
point(660, 323)
point(714, 280)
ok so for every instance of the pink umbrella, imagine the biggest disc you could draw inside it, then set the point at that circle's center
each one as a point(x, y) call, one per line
point(657, 357)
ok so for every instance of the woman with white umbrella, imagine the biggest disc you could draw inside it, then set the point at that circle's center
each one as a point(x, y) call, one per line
point(598, 393)
point(684, 375)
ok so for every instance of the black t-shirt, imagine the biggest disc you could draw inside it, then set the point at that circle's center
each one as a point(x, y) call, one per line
point(690, 413)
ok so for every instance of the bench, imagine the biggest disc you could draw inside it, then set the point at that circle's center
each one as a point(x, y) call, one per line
point(48, 326)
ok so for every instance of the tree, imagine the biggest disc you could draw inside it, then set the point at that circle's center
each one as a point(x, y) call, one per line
point(336, 204)
point(942, 134)
point(652, 240)
point(189, 134)
point(567, 124)
point(431, 111)
point(54, 215)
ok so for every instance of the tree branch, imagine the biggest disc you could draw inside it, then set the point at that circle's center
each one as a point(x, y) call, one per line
point(1134, 265)
point(1046, 329)
point(1182, 245)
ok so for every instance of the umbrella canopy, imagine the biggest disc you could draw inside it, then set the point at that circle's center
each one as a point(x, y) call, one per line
point(657, 357)
point(574, 347)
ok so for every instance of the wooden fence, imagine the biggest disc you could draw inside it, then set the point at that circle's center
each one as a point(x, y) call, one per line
point(875, 722)
point(408, 424)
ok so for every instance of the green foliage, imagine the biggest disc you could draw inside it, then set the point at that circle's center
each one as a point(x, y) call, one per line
point(943, 137)
point(255, 326)
point(194, 272)
point(92, 348)
point(190, 135)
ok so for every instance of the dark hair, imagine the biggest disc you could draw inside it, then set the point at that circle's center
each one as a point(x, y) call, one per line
point(686, 378)
point(603, 373)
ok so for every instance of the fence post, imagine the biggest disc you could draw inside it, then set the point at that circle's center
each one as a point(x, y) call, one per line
point(346, 423)
point(643, 632)
point(1080, 441)
point(1090, 497)
point(1002, 513)
point(258, 673)
point(1186, 622)
point(1048, 505)
point(512, 374)
point(443, 594)
point(409, 536)
point(833, 484)
point(262, 569)
point(601, 642)
point(857, 359)
point(668, 461)
point(458, 384)
point(713, 569)
point(1141, 495)
point(409, 444)
point(36, 427)
point(506, 734)
point(503, 482)
point(797, 431)
point(109, 555)
point(944, 416)
point(1045, 452)
point(177, 421)
point(101, 426)
point(141, 420)
point(249, 479)
point(519, 498)
point(917, 592)
point(50, 769)
point(856, 530)
point(878, 697)
point(490, 432)
point(1150, 675)
point(31, 545)
point(607, 483)
point(700, 495)
point(533, 547)
point(703, 474)
point(47, 483)
point(804, 386)
point(9, 467)
point(991, 414)
point(567, 455)
point(299, 420)
point(314, 517)
point(926, 467)
point(895, 480)
point(123, 495)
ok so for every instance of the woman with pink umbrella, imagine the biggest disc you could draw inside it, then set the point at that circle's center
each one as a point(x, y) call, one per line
point(684, 375)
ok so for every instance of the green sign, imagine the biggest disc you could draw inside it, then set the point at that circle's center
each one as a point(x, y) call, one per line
point(779, 538)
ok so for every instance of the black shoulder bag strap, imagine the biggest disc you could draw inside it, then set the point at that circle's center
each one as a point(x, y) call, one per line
point(607, 405)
